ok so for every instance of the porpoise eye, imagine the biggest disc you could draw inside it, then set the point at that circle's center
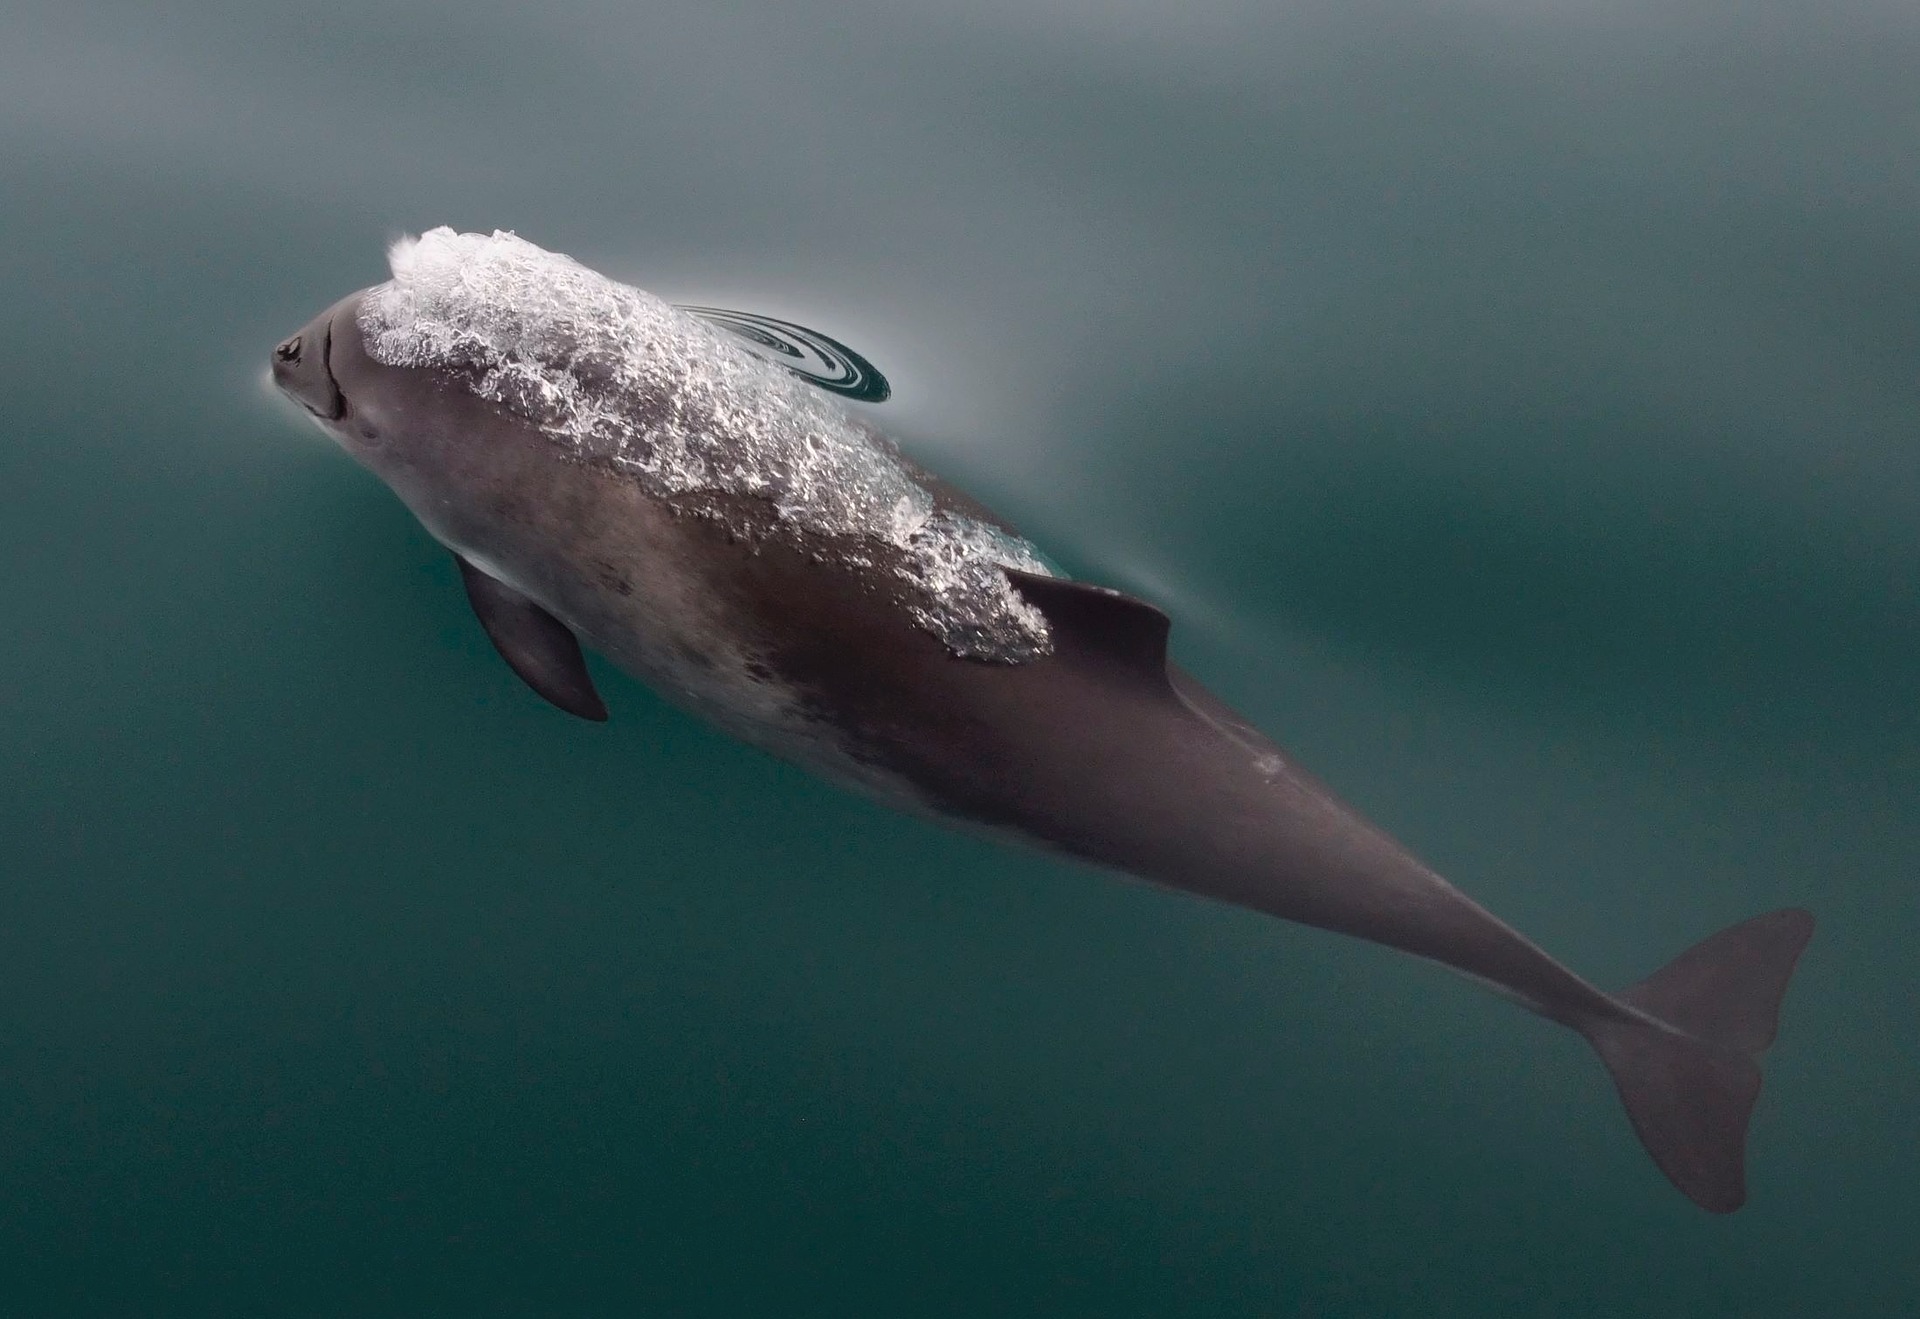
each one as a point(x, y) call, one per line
point(289, 351)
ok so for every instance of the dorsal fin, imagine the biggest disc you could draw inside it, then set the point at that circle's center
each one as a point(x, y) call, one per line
point(1102, 624)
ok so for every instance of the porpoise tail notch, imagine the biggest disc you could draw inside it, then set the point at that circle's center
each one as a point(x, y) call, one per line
point(1689, 1078)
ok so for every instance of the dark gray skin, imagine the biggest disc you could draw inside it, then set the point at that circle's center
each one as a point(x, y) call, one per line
point(1102, 751)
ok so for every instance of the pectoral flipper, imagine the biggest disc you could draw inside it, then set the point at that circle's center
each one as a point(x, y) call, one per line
point(535, 644)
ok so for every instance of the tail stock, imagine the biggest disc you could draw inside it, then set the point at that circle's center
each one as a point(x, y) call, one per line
point(1689, 1079)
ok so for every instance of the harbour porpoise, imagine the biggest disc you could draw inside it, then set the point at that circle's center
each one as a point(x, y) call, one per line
point(609, 469)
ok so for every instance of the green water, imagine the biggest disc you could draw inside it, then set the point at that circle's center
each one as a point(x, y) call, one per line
point(1515, 405)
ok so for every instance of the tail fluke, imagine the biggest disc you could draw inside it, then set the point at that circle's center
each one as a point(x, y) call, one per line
point(1689, 1089)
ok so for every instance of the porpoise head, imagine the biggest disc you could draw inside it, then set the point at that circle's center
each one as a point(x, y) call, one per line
point(301, 369)
point(325, 369)
point(395, 420)
point(436, 445)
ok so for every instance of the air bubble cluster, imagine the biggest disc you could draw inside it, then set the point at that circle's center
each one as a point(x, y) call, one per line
point(617, 375)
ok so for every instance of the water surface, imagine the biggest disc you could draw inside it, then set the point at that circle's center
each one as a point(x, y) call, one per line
point(1515, 405)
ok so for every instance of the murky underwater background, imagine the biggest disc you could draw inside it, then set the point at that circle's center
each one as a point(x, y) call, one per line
point(1515, 404)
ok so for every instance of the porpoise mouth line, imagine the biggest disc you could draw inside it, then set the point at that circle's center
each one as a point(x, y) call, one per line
point(326, 365)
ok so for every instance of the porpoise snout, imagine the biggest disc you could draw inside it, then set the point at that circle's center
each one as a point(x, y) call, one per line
point(300, 370)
